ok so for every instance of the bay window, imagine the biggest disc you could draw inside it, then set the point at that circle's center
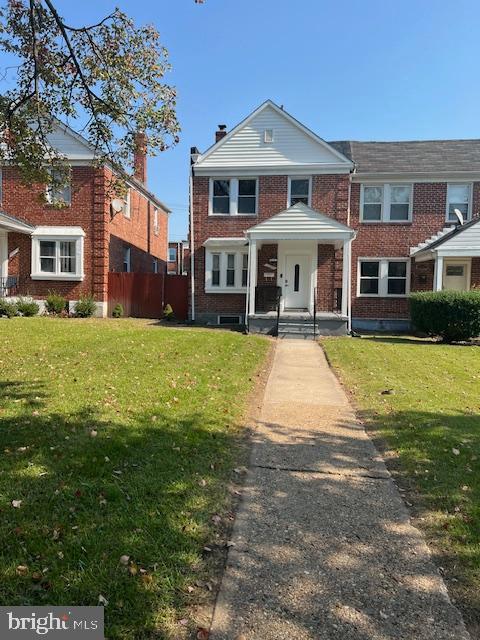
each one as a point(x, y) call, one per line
point(458, 197)
point(226, 271)
point(386, 203)
point(57, 253)
point(383, 277)
point(233, 196)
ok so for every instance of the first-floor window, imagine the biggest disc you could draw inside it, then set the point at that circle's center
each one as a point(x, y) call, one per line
point(56, 256)
point(230, 269)
point(126, 259)
point(383, 277)
point(155, 266)
point(226, 270)
point(216, 270)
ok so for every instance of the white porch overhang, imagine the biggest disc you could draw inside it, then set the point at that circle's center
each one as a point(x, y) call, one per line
point(300, 222)
point(461, 241)
point(10, 223)
point(225, 242)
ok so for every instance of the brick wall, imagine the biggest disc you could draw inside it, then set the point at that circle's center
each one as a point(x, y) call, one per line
point(394, 240)
point(89, 209)
point(325, 277)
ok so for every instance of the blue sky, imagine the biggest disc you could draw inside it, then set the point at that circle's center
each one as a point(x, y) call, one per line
point(358, 69)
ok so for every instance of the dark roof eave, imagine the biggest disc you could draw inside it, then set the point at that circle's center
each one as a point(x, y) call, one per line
point(458, 229)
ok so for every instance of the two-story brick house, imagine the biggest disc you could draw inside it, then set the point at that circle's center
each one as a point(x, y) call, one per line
point(340, 230)
point(71, 249)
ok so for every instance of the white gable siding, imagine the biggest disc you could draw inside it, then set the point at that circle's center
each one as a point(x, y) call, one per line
point(290, 146)
point(464, 243)
point(69, 145)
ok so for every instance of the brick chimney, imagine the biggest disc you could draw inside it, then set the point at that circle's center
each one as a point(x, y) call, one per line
point(221, 133)
point(140, 158)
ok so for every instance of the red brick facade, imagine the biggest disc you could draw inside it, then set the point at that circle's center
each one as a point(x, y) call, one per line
point(336, 196)
point(90, 210)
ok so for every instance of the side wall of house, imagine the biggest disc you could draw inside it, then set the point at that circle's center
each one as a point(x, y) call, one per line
point(138, 233)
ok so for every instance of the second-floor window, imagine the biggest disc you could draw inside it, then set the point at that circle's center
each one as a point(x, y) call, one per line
point(172, 254)
point(299, 191)
point(58, 192)
point(233, 196)
point(458, 197)
point(386, 203)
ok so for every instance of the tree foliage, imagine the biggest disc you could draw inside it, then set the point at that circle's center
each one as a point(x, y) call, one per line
point(105, 80)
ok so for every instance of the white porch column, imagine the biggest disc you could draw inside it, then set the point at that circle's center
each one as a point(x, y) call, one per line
point(438, 274)
point(252, 268)
point(346, 275)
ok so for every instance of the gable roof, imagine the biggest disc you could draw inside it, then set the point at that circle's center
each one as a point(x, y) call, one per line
point(293, 143)
point(414, 156)
point(461, 238)
point(300, 222)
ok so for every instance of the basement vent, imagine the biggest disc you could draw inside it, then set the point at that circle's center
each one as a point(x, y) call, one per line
point(229, 320)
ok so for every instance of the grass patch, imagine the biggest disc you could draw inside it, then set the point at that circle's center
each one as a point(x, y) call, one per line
point(118, 437)
point(423, 399)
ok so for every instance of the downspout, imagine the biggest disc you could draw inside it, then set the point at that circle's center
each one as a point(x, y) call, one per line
point(247, 298)
point(349, 293)
point(192, 249)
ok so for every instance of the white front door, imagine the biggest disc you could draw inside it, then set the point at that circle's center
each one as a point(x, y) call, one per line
point(296, 289)
point(456, 275)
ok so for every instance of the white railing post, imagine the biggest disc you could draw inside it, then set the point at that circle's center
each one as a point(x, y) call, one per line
point(252, 267)
point(346, 277)
point(438, 274)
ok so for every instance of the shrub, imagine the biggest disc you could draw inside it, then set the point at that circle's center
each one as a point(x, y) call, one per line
point(7, 309)
point(117, 311)
point(452, 315)
point(168, 313)
point(27, 307)
point(55, 303)
point(85, 307)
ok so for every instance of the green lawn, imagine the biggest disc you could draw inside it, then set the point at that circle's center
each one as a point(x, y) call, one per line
point(118, 439)
point(429, 419)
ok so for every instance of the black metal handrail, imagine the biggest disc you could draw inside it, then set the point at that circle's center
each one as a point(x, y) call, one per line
point(279, 300)
point(9, 286)
point(314, 312)
point(266, 297)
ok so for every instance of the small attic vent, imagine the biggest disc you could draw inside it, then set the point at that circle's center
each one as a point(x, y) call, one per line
point(268, 135)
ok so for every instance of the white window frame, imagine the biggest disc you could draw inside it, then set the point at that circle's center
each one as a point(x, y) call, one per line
point(156, 227)
point(383, 277)
point(290, 178)
point(57, 235)
point(386, 202)
point(233, 197)
point(50, 194)
point(470, 199)
point(127, 205)
point(127, 259)
point(268, 136)
point(223, 253)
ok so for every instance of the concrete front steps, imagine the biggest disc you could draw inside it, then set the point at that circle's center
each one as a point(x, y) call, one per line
point(299, 325)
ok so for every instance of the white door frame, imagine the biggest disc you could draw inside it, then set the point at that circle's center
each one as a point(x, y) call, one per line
point(460, 261)
point(297, 248)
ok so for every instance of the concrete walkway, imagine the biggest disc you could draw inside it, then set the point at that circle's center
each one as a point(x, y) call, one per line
point(323, 544)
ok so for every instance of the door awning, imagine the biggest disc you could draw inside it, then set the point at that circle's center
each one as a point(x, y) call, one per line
point(10, 223)
point(300, 222)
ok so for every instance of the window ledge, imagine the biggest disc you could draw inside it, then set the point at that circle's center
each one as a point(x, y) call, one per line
point(53, 276)
point(388, 297)
point(389, 222)
point(233, 215)
point(225, 290)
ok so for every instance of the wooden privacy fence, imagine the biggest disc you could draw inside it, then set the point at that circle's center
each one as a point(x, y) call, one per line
point(144, 295)
point(176, 295)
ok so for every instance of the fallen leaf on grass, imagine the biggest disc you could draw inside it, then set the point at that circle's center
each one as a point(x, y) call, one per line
point(21, 570)
point(102, 600)
point(455, 452)
point(183, 621)
point(124, 560)
point(202, 634)
point(16, 504)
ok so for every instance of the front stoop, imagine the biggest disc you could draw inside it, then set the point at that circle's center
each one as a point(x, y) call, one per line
point(299, 326)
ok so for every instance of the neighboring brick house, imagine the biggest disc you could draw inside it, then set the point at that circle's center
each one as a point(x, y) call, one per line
point(71, 249)
point(178, 257)
point(343, 230)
